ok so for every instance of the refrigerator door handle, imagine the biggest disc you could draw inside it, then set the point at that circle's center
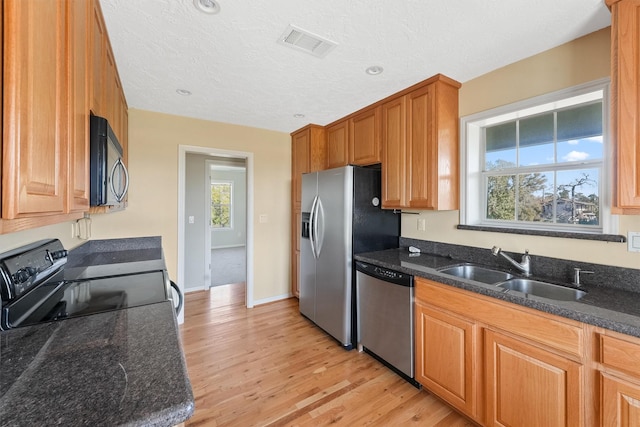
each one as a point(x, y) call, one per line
point(319, 227)
point(312, 228)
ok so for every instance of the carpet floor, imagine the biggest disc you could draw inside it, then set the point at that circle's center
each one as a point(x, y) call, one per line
point(228, 265)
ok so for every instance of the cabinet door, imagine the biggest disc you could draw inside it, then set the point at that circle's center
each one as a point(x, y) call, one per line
point(295, 250)
point(79, 31)
point(445, 355)
point(338, 145)
point(620, 402)
point(364, 137)
point(625, 82)
point(394, 153)
point(528, 386)
point(35, 130)
point(98, 46)
point(300, 152)
point(421, 148)
point(110, 89)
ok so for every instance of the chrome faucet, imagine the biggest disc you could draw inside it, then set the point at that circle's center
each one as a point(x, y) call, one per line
point(524, 266)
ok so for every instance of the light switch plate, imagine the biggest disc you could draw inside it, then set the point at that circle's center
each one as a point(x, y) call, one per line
point(263, 218)
point(422, 224)
point(633, 241)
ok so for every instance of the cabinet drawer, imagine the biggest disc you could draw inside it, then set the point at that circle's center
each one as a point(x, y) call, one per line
point(559, 333)
point(620, 354)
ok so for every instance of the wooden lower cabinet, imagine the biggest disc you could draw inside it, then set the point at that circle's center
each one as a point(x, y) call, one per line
point(499, 363)
point(620, 403)
point(528, 386)
point(447, 368)
point(619, 376)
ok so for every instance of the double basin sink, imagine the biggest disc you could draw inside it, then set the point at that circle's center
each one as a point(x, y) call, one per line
point(509, 283)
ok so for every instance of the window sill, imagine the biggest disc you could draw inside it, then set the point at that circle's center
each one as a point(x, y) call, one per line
point(564, 234)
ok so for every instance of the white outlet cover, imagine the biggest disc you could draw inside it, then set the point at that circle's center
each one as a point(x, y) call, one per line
point(633, 241)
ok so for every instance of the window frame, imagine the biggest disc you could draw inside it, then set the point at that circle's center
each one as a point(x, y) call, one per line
point(473, 200)
point(230, 184)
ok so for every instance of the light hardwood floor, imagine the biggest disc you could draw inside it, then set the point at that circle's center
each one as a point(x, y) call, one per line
point(269, 366)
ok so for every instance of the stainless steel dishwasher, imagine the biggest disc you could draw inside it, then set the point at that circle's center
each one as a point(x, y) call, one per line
point(384, 317)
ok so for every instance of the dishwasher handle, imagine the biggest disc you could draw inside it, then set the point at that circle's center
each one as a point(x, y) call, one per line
point(382, 273)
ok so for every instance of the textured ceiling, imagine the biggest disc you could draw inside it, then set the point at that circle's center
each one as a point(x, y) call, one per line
point(238, 74)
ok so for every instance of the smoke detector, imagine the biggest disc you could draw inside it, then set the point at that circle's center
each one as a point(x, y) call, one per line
point(305, 41)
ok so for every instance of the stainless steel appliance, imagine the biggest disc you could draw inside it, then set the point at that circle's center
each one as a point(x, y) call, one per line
point(341, 216)
point(35, 286)
point(385, 301)
point(109, 177)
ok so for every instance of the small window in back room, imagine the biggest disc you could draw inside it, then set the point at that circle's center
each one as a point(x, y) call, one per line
point(221, 205)
point(540, 164)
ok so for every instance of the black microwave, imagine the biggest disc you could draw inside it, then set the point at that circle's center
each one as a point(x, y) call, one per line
point(109, 176)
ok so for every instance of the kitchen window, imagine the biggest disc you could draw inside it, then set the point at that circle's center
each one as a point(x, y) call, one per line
point(540, 164)
point(221, 205)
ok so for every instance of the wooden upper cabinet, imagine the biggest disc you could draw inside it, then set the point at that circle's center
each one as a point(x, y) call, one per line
point(308, 154)
point(364, 137)
point(98, 54)
point(79, 43)
point(35, 133)
point(338, 144)
point(420, 147)
point(625, 111)
point(394, 156)
point(355, 140)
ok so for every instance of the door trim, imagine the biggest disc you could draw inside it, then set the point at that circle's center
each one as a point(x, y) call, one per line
point(248, 157)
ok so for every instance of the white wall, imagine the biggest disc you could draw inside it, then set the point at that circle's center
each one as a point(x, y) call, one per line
point(154, 139)
point(195, 274)
point(580, 61)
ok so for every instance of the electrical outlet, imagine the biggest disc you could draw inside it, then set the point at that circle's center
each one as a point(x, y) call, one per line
point(633, 241)
point(192, 219)
point(263, 218)
point(422, 224)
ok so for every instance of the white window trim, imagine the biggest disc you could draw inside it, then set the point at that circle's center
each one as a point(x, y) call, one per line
point(471, 201)
point(231, 225)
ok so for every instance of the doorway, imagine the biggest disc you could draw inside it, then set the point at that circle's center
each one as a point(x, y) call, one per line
point(225, 228)
point(193, 262)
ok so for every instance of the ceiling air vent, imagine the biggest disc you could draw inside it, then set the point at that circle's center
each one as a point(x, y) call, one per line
point(303, 40)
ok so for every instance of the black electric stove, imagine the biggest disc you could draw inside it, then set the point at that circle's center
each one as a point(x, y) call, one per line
point(36, 287)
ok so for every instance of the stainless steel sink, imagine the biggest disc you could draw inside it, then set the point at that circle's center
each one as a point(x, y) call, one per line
point(476, 273)
point(542, 289)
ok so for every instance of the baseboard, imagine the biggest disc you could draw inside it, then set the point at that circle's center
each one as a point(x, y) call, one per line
point(272, 299)
point(197, 288)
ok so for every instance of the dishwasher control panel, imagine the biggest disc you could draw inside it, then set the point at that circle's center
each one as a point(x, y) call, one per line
point(385, 274)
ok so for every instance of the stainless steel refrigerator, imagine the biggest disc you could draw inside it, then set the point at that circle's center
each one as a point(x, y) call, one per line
point(341, 216)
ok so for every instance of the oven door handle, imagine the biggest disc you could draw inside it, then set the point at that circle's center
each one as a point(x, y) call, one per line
point(180, 297)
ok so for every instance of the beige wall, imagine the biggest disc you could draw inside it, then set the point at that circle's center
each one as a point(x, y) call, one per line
point(153, 195)
point(577, 62)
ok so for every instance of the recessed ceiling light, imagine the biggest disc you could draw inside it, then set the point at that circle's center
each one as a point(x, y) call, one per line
point(183, 92)
point(374, 70)
point(298, 116)
point(207, 6)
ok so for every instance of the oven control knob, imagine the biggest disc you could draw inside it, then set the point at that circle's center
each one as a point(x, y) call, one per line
point(59, 254)
point(24, 274)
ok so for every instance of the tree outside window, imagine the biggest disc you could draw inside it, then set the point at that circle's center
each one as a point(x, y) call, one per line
point(546, 168)
point(221, 205)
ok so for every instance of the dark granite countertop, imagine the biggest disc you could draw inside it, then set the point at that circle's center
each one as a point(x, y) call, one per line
point(609, 307)
point(123, 367)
